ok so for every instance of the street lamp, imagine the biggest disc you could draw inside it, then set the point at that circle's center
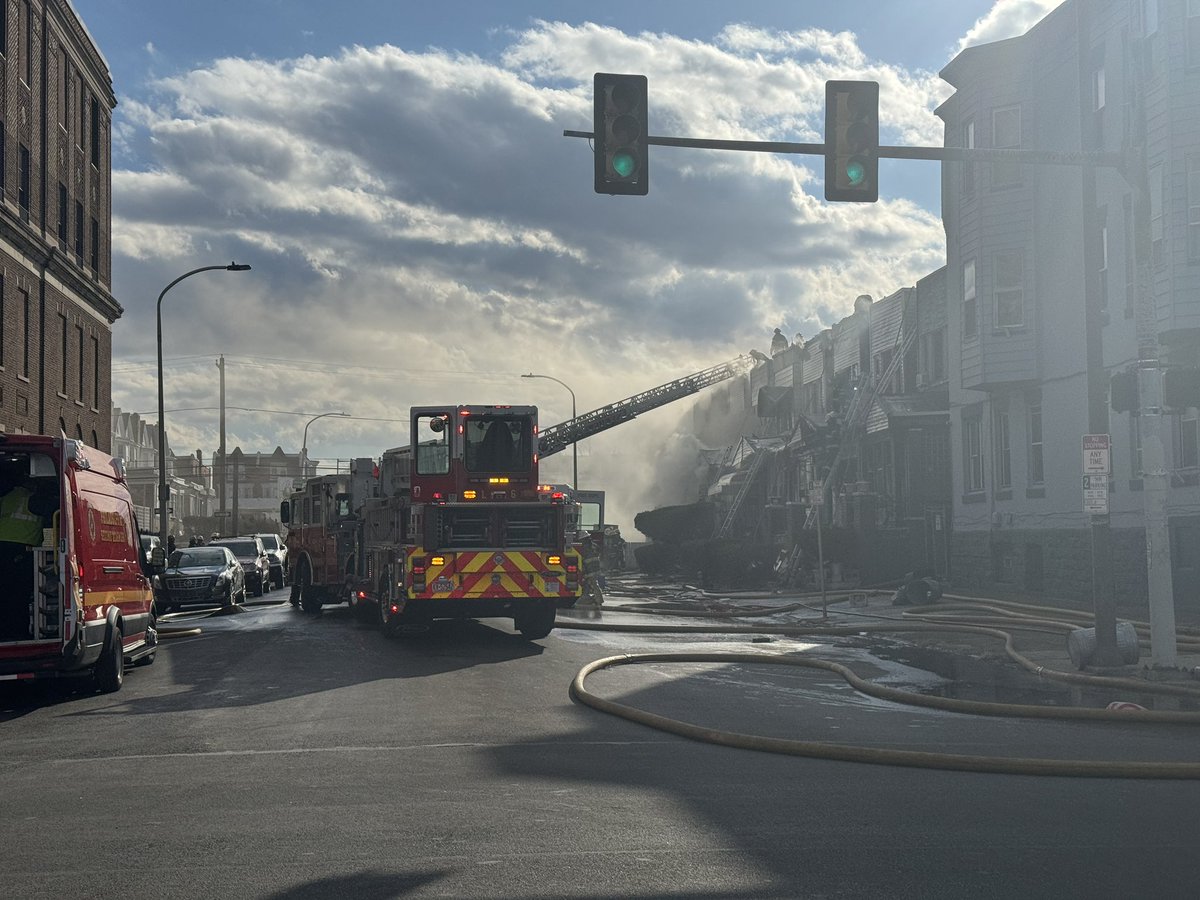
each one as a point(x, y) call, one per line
point(574, 446)
point(162, 425)
point(304, 443)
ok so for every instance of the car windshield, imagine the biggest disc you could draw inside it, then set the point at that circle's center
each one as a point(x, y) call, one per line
point(270, 542)
point(197, 556)
point(243, 548)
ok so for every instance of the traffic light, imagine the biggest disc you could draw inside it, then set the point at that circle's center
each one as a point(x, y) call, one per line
point(1123, 392)
point(852, 141)
point(1181, 388)
point(619, 132)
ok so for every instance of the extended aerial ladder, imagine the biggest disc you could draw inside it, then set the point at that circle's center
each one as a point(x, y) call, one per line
point(559, 437)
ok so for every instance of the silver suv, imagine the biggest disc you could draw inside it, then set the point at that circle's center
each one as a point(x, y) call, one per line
point(277, 556)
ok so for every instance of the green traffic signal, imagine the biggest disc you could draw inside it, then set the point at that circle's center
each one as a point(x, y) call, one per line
point(623, 163)
point(855, 172)
point(852, 141)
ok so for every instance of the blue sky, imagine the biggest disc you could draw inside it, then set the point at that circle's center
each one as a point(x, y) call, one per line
point(420, 231)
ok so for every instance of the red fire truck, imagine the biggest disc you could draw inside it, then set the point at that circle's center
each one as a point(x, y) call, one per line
point(448, 527)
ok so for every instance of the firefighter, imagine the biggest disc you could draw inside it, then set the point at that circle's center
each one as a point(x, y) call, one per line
point(170, 544)
point(778, 342)
point(593, 594)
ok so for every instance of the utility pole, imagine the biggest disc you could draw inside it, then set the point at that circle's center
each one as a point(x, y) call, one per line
point(221, 449)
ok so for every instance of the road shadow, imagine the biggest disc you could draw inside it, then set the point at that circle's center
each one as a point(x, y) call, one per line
point(305, 654)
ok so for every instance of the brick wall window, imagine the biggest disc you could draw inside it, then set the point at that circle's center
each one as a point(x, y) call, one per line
point(65, 351)
point(95, 372)
point(82, 100)
point(3, 321)
point(1130, 265)
point(3, 29)
point(23, 180)
point(63, 207)
point(27, 336)
point(1187, 441)
point(1157, 220)
point(64, 91)
point(1193, 206)
point(95, 131)
point(82, 368)
point(79, 232)
point(3, 156)
point(1102, 262)
point(26, 43)
point(95, 247)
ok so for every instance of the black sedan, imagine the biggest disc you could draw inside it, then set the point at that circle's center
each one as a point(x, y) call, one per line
point(202, 575)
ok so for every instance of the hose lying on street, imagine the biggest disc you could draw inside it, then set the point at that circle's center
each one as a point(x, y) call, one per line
point(980, 618)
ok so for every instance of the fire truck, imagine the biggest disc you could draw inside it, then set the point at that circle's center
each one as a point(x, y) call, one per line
point(450, 526)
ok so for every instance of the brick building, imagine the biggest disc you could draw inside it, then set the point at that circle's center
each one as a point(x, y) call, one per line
point(56, 303)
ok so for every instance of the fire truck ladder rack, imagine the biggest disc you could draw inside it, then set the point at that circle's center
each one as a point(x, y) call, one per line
point(856, 417)
point(726, 526)
point(559, 437)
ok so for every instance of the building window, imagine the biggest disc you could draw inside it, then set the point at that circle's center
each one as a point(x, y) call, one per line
point(62, 214)
point(3, 156)
point(1037, 472)
point(1001, 449)
point(64, 77)
point(970, 308)
point(933, 356)
point(968, 167)
point(1006, 135)
point(1135, 444)
point(79, 232)
point(1130, 264)
point(82, 112)
point(1187, 441)
point(65, 357)
point(1153, 46)
point(23, 180)
point(3, 319)
point(972, 455)
point(95, 138)
point(27, 42)
point(1098, 104)
point(1157, 221)
point(82, 368)
point(1008, 276)
point(1193, 205)
point(95, 372)
point(1102, 260)
point(95, 246)
point(1193, 33)
point(27, 337)
point(3, 29)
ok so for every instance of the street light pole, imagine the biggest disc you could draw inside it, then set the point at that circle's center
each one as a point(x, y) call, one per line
point(162, 425)
point(304, 442)
point(574, 446)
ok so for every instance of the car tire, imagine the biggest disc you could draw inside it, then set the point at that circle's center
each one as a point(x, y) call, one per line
point(536, 623)
point(109, 672)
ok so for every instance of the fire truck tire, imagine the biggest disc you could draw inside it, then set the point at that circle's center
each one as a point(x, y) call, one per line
point(534, 624)
point(109, 673)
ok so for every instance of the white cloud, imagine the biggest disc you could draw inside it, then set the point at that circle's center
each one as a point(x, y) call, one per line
point(421, 231)
point(1006, 19)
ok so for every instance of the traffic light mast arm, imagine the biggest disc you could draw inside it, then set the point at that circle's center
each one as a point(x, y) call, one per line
point(944, 154)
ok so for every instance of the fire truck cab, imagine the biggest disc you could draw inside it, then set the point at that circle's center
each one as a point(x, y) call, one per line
point(479, 543)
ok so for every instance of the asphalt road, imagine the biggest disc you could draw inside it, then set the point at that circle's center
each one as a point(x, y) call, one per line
point(282, 755)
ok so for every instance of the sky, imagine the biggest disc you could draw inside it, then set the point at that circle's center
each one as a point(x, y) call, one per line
point(420, 231)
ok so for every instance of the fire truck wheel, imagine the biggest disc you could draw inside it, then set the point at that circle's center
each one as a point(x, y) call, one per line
point(534, 624)
point(110, 667)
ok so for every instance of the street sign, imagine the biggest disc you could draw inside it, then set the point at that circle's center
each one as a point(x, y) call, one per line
point(223, 514)
point(1095, 494)
point(1096, 454)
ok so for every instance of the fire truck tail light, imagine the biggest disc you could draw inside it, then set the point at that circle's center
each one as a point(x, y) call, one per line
point(469, 495)
point(497, 481)
point(438, 561)
point(438, 495)
point(572, 569)
point(554, 560)
point(362, 595)
point(395, 609)
point(418, 570)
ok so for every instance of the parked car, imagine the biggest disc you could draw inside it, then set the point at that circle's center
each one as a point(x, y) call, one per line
point(277, 557)
point(203, 575)
point(251, 553)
